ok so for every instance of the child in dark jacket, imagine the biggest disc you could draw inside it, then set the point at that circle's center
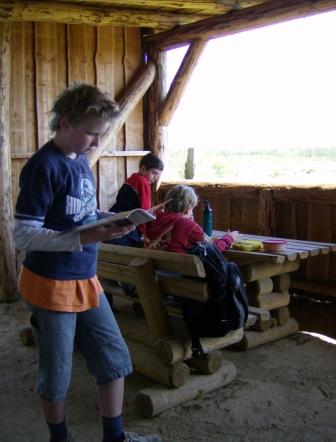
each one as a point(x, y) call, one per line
point(174, 229)
point(136, 193)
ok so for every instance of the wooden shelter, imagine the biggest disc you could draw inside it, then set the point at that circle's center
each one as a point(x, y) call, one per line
point(120, 47)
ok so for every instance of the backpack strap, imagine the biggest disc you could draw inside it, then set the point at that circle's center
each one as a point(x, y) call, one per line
point(196, 347)
point(161, 242)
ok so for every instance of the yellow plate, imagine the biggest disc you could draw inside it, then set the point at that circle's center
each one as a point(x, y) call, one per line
point(248, 245)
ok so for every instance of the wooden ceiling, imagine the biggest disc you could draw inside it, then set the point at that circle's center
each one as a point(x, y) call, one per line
point(169, 23)
point(156, 14)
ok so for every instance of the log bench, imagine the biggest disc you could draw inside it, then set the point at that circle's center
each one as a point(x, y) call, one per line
point(151, 322)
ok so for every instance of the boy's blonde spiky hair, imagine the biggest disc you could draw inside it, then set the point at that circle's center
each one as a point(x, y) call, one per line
point(80, 102)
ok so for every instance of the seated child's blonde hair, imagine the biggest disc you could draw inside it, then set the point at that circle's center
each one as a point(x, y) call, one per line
point(181, 198)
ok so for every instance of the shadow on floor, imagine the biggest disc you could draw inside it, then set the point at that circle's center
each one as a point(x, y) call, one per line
point(313, 314)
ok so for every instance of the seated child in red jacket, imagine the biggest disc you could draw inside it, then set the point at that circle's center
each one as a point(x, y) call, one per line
point(174, 229)
point(136, 193)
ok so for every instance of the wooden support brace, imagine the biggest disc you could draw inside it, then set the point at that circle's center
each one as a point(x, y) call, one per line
point(145, 362)
point(262, 325)
point(128, 101)
point(151, 298)
point(208, 364)
point(170, 351)
point(261, 270)
point(253, 339)
point(180, 81)
point(281, 283)
point(270, 301)
point(259, 287)
point(281, 315)
point(261, 313)
point(156, 399)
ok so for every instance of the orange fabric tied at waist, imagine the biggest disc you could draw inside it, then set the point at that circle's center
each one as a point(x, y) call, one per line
point(59, 295)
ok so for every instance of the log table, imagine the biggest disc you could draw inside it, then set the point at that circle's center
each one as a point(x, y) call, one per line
point(267, 279)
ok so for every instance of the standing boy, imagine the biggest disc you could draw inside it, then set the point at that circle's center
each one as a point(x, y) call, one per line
point(58, 277)
point(136, 193)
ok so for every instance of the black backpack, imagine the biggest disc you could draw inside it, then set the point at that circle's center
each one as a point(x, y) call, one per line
point(227, 307)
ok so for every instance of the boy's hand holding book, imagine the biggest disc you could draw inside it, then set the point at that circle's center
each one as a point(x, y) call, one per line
point(104, 233)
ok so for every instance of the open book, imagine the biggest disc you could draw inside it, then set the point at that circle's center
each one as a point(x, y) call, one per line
point(131, 217)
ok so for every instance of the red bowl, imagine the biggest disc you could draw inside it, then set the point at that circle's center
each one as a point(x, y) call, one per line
point(274, 245)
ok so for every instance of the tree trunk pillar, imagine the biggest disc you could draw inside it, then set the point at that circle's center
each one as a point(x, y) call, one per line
point(156, 134)
point(7, 248)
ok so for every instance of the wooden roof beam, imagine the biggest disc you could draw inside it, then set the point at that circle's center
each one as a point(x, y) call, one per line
point(207, 7)
point(268, 13)
point(127, 102)
point(57, 12)
point(180, 81)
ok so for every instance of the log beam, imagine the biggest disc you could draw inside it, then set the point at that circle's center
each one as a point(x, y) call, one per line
point(156, 399)
point(246, 19)
point(271, 301)
point(95, 15)
point(127, 102)
point(180, 81)
point(156, 135)
point(145, 362)
point(253, 339)
point(170, 351)
point(261, 270)
point(7, 249)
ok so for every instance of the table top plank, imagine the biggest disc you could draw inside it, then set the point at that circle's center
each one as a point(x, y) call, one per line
point(314, 248)
point(257, 256)
point(294, 249)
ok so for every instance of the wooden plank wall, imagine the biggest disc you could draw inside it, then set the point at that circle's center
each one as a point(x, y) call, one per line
point(301, 213)
point(46, 58)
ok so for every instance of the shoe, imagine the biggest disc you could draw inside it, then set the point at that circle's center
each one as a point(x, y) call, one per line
point(133, 437)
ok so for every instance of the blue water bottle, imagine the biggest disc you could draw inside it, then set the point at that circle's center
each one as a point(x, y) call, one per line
point(207, 218)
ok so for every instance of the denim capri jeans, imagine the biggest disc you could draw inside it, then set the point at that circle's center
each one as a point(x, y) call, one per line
point(97, 336)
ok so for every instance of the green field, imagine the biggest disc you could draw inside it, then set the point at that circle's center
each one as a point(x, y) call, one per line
point(290, 166)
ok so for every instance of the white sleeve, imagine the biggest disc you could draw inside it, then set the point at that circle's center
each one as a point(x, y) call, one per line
point(30, 235)
point(102, 214)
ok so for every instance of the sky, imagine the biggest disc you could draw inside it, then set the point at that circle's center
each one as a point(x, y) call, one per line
point(274, 87)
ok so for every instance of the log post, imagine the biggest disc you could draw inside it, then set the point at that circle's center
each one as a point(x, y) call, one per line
point(282, 282)
point(189, 168)
point(151, 298)
point(155, 133)
point(7, 248)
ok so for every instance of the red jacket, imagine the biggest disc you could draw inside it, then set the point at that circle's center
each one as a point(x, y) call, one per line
point(174, 232)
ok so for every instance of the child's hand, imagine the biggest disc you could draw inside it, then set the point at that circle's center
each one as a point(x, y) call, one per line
point(104, 233)
point(234, 234)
